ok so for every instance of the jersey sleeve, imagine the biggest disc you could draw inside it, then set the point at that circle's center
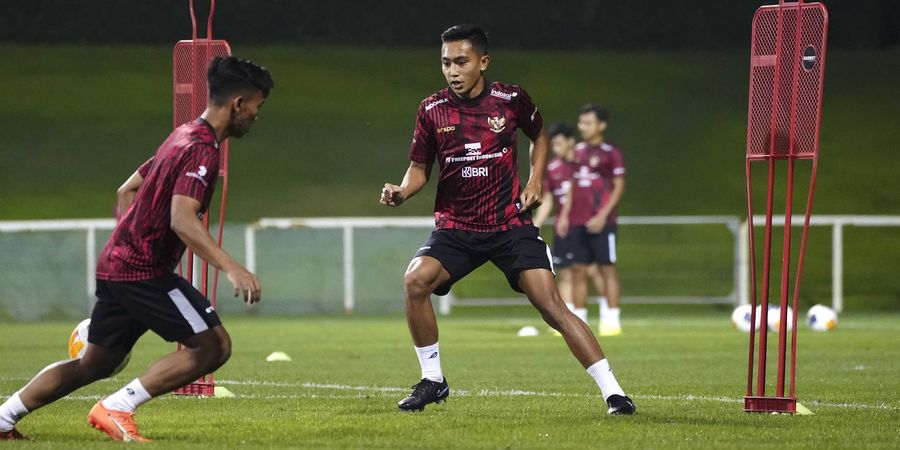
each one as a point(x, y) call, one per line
point(424, 146)
point(618, 163)
point(527, 115)
point(197, 172)
point(144, 169)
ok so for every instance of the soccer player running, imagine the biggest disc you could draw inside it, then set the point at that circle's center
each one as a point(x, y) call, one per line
point(481, 212)
point(137, 289)
point(601, 162)
point(570, 257)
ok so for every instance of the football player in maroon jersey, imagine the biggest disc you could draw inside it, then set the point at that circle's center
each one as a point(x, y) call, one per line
point(481, 212)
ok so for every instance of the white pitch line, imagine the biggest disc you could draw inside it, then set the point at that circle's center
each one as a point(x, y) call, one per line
point(362, 391)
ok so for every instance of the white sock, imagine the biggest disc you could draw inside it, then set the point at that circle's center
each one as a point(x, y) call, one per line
point(604, 306)
point(128, 398)
point(604, 377)
point(430, 360)
point(581, 313)
point(11, 411)
point(613, 317)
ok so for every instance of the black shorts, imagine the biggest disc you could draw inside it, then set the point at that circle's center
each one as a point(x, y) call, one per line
point(603, 245)
point(582, 247)
point(168, 305)
point(512, 251)
point(571, 249)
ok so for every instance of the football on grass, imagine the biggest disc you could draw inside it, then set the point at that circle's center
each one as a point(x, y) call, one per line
point(821, 318)
point(78, 341)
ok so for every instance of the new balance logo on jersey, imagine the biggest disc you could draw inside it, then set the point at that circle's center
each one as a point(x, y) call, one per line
point(469, 172)
point(199, 174)
point(210, 309)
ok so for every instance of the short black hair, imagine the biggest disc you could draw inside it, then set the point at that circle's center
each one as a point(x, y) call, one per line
point(560, 128)
point(229, 76)
point(599, 111)
point(467, 32)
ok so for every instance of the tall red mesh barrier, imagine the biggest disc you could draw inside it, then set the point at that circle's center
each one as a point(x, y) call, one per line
point(787, 61)
point(190, 61)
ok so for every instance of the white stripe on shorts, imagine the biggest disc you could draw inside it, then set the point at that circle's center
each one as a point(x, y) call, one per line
point(187, 311)
point(549, 256)
point(612, 247)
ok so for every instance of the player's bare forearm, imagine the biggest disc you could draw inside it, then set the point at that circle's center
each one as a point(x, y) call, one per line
point(539, 150)
point(127, 191)
point(531, 194)
point(614, 196)
point(416, 177)
point(193, 233)
point(543, 211)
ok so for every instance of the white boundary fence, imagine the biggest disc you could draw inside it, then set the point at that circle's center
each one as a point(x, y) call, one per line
point(837, 248)
point(740, 293)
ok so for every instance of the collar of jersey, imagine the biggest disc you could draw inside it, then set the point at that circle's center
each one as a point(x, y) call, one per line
point(211, 130)
point(472, 101)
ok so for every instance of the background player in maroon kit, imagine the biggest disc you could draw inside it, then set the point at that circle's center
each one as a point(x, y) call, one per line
point(603, 164)
point(136, 287)
point(558, 193)
point(481, 213)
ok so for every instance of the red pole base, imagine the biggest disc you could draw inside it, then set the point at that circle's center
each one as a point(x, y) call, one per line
point(197, 388)
point(770, 404)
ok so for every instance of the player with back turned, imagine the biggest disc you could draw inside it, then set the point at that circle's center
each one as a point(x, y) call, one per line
point(481, 212)
point(137, 289)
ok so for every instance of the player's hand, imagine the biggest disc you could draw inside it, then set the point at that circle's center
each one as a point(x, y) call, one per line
point(530, 197)
point(246, 284)
point(596, 224)
point(562, 226)
point(392, 195)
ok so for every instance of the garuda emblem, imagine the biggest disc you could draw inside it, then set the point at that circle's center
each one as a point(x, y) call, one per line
point(497, 123)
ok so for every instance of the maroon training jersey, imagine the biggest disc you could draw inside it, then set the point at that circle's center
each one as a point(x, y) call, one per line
point(597, 166)
point(474, 142)
point(559, 179)
point(143, 246)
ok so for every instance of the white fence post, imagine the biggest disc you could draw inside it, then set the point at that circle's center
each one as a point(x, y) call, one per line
point(837, 267)
point(349, 301)
point(743, 281)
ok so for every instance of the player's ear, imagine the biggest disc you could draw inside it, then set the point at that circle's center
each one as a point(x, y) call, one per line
point(485, 60)
point(237, 102)
point(602, 126)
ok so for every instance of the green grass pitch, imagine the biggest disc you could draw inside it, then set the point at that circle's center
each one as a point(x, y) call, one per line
point(685, 367)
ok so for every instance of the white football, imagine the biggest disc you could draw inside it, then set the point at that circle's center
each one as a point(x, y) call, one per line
point(78, 342)
point(774, 318)
point(821, 318)
point(740, 318)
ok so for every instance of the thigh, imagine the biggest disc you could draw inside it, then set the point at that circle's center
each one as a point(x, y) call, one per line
point(455, 252)
point(168, 305)
point(603, 245)
point(521, 249)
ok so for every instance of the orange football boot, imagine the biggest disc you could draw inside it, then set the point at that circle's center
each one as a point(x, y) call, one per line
point(119, 425)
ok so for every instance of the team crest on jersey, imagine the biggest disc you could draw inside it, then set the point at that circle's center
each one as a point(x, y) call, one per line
point(497, 124)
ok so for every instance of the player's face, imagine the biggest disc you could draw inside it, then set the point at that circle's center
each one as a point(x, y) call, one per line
point(244, 112)
point(462, 67)
point(590, 126)
point(562, 146)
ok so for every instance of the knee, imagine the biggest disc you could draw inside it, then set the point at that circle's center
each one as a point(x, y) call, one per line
point(215, 353)
point(416, 285)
